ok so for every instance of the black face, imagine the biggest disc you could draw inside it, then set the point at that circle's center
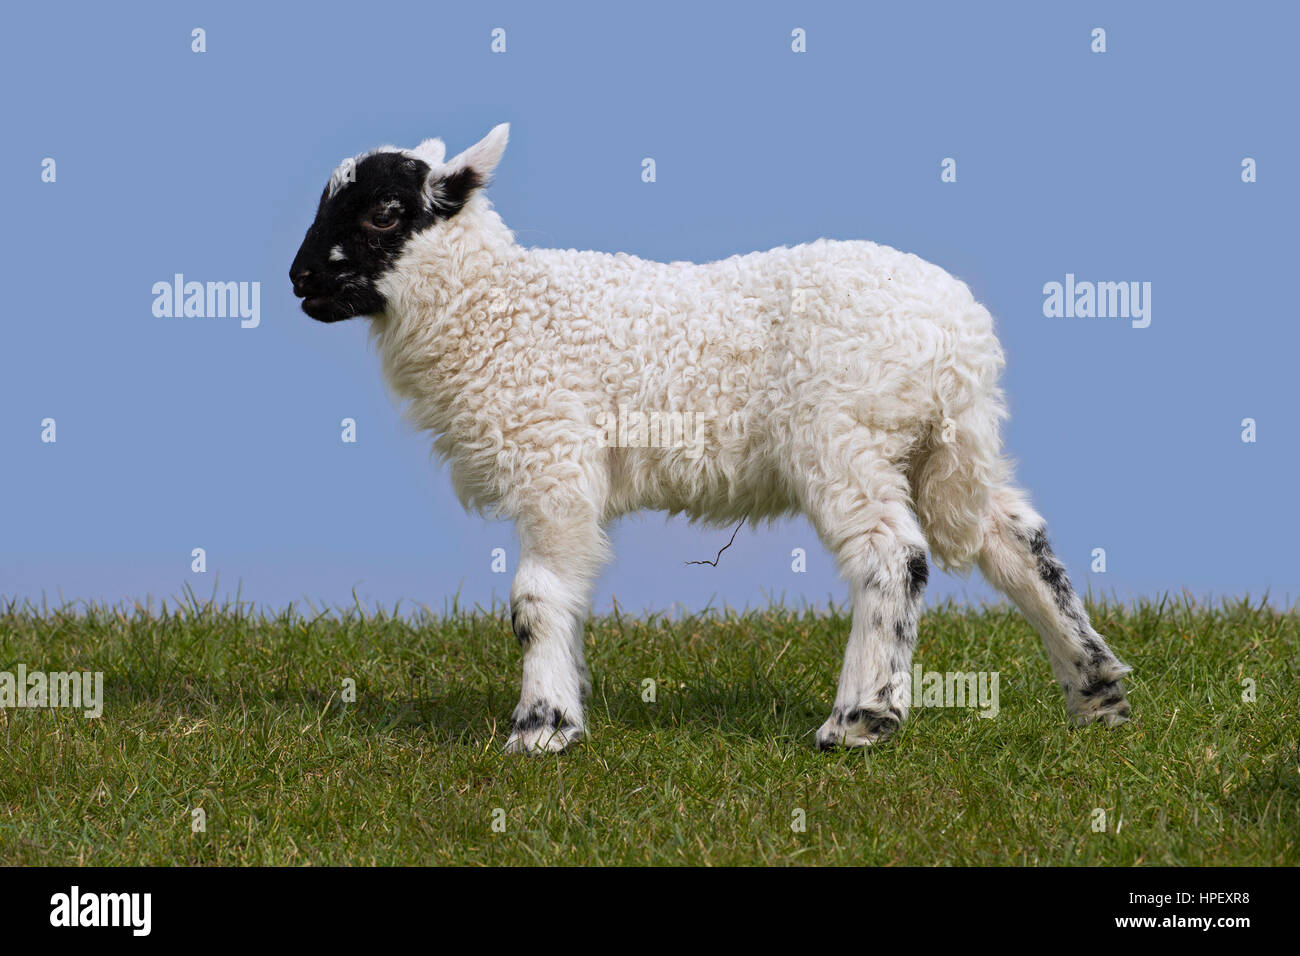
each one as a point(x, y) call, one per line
point(361, 229)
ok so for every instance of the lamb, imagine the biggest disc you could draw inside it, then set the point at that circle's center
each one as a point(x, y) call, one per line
point(846, 381)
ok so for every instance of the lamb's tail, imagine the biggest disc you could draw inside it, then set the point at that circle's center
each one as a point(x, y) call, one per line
point(961, 461)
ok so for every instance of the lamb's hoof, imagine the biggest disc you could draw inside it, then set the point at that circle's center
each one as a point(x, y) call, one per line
point(857, 728)
point(541, 730)
point(1103, 703)
point(543, 740)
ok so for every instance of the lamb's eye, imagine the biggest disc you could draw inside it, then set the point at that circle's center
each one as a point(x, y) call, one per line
point(382, 220)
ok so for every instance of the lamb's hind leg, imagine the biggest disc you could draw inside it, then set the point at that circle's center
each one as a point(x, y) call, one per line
point(868, 524)
point(1017, 560)
point(559, 560)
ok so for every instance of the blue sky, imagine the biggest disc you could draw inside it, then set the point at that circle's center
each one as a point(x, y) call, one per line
point(180, 433)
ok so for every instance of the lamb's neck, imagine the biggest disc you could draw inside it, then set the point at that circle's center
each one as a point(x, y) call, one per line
point(446, 298)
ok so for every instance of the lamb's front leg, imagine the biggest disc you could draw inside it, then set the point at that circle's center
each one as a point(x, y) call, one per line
point(558, 562)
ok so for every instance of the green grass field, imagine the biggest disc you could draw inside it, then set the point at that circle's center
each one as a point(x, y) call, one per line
point(241, 716)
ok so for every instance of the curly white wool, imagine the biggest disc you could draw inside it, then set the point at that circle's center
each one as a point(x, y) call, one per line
point(846, 348)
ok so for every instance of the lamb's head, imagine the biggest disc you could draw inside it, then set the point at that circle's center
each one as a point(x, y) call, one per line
point(371, 208)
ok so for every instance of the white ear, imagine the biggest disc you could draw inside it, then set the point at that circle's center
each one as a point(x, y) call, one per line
point(432, 151)
point(484, 155)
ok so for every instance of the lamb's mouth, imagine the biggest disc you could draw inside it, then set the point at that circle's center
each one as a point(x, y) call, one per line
point(322, 308)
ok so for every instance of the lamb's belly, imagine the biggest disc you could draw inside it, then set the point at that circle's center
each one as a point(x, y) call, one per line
point(701, 485)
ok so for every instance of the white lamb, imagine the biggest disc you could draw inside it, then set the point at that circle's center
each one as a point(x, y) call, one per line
point(847, 381)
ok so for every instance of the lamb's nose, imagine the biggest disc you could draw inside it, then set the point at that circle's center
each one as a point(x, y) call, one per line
point(299, 279)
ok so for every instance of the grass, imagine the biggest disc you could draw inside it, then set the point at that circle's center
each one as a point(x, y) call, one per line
point(240, 715)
